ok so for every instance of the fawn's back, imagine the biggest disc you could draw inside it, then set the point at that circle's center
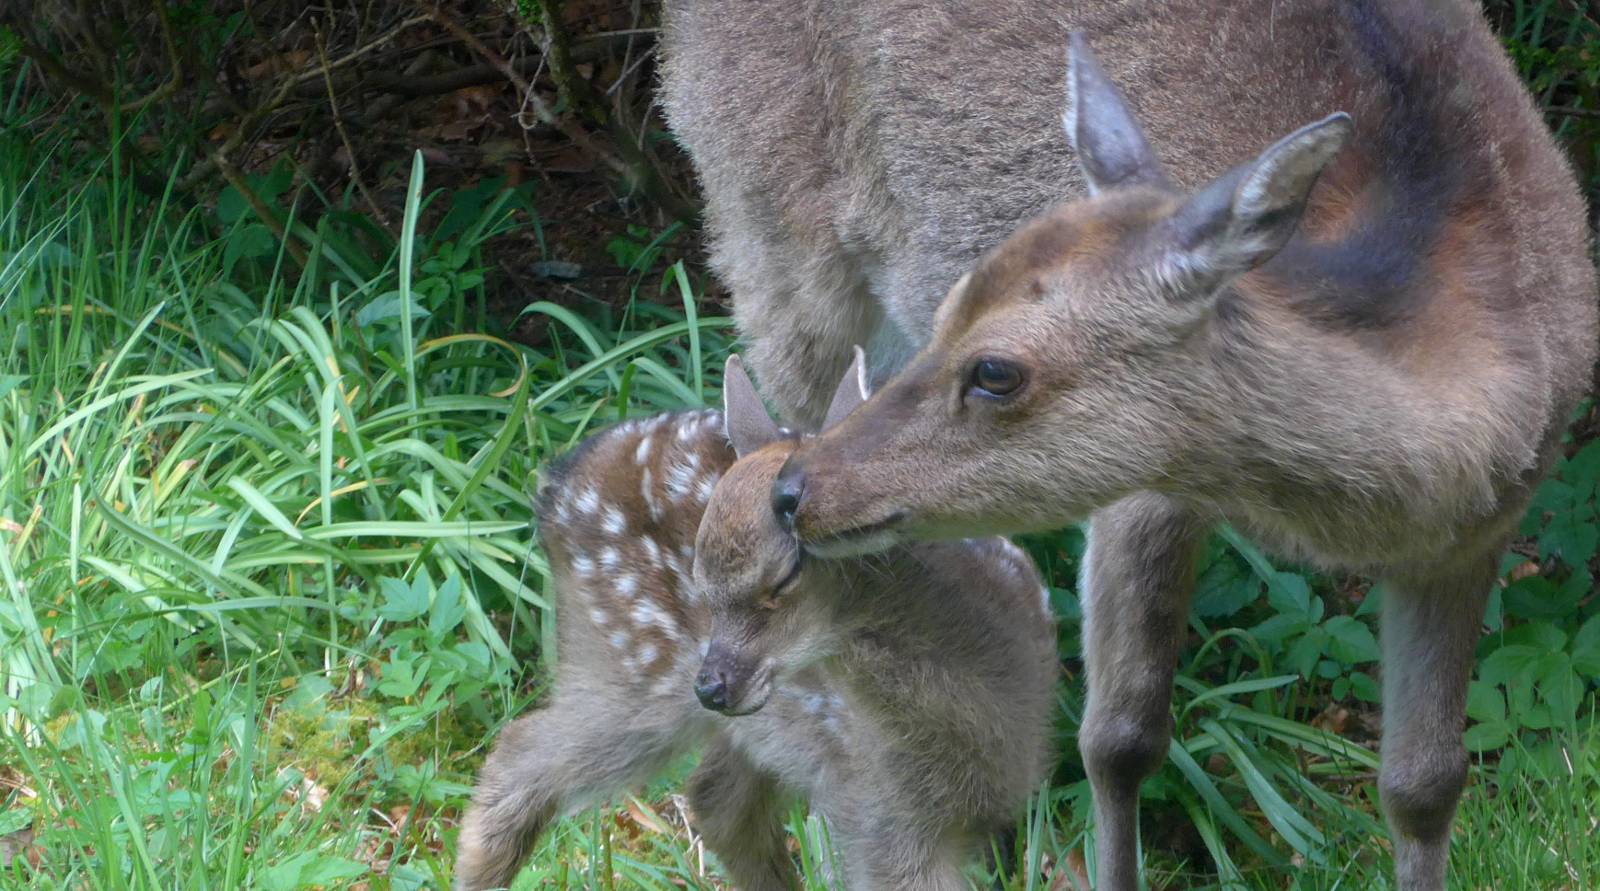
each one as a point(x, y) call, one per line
point(618, 519)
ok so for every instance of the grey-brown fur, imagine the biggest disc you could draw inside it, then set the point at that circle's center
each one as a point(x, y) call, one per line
point(1360, 346)
point(908, 696)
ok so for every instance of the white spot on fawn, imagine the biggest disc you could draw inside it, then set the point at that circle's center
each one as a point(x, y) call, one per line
point(588, 501)
point(627, 586)
point(703, 491)
point(619, 639)
point(582, 565)
point(648, 654)
point(614, 522)
point(647, 613)
point(599, 617)
point(610, 559)
point(652, 551)
point(648, 491)
point(642, 453)
point(686, 429)
point(681, 479)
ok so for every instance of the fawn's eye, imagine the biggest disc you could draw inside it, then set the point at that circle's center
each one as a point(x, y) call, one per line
point(994, 378)
point(771, 601)
point(791, 575)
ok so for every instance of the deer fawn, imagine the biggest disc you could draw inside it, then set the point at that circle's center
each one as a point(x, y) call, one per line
point(1359, 345)
point(908, 696)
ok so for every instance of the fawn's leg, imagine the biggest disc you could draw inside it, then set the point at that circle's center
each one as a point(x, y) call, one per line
point(738, 809)
point(1137, 575)
point(898, 854)
point(576, 751)
point(1430, 628)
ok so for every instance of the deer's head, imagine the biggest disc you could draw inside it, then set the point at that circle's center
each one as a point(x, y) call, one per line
point(770, 607)
point(1070, 367)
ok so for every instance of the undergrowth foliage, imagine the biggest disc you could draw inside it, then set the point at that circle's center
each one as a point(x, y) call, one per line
point(269, 580)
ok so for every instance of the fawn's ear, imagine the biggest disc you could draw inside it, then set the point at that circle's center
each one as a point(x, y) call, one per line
point(851, 392)
point(744, 416)
point(1110, 146)
point(1246, 216)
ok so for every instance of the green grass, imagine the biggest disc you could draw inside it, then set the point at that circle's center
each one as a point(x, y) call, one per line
point(268, 583)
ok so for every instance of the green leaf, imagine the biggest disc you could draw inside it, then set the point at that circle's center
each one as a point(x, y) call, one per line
point(1365, 688)
point(1583, 470)
point(1486, 737)
point(1560, 687)
point(1572, 535)
point(1304, 653)
point(1351, 641)
point(1289, 593)
point(264, 507)
point(1586, 648)
point(447, 610)
point(308, 869)
point(9, 382)
point(1537, 597)
point(1224, 588)
point(1508, 663)
point(388, 307)
point(402, 602)
point(1541, 636)
point(1485, 702)
point(1277, 629)
point(402, 678)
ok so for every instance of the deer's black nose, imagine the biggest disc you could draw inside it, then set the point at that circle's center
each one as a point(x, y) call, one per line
point(711, 688)
point(787, 491)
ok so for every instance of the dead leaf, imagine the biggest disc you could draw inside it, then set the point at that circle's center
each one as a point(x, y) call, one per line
point(19, 842)
point(1523, 570)
point(1071, 874)
point(647, 818)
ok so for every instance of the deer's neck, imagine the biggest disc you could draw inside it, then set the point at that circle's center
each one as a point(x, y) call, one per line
point(1326, 447)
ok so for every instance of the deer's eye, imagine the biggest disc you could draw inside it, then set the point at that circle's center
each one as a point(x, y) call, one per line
point(995, 378)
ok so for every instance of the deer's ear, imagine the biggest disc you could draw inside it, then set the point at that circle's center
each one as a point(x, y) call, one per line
point(744, 416)
point(1105, 137)
point(1242, 219)
point(851, 392)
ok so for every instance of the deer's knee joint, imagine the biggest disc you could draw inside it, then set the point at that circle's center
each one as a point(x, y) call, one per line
point(1124, 747)
point(1420, 791)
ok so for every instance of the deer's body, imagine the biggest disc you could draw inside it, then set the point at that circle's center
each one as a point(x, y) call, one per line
point(859, 157)
point(910, 694)
point(1360, 345)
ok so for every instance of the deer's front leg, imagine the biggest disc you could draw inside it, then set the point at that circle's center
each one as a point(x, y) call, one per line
point(1430, 628)
point(1137, 575)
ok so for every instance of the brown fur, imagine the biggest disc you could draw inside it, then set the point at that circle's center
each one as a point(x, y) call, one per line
point(1376, 390)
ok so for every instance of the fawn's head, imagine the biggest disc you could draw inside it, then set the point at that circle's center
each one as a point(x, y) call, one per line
point(770, 607)
point(1066, 369)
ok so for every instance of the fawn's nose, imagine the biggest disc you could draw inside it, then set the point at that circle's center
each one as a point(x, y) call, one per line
point(787, 490)
point(711, 688)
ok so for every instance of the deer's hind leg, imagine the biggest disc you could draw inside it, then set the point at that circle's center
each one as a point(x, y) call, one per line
point(738, 809)
point(1431, 623)
point(581, 749)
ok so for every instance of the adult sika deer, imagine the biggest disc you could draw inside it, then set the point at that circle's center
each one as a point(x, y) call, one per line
point(1319, 272)
point(908, 696)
